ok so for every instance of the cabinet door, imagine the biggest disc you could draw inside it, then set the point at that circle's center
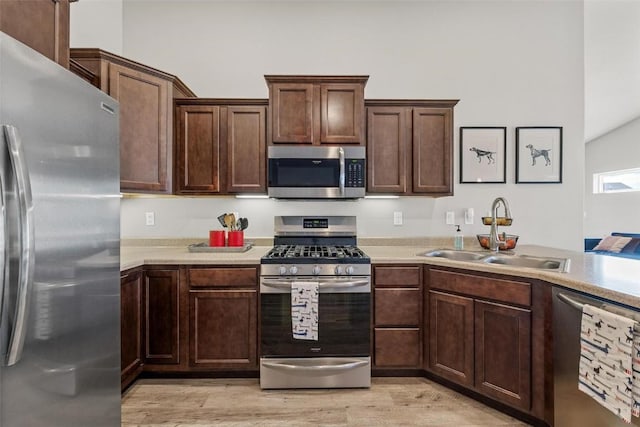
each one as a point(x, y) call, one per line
point(451, 337)
point(130, 327)
point(292, 113)
point(432, 150)
point(223, 329)
point(503, 353)
point(246, 149)
point(161, 298)
point(198, 149)
point(144, 128)
point(397, 348)
point(43, 25)
point(387, 133)
point(342, 113)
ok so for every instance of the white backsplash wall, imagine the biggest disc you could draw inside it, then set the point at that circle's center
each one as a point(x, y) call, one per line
point(510, 64)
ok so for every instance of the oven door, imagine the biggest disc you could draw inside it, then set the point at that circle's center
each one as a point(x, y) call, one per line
point(344, 318)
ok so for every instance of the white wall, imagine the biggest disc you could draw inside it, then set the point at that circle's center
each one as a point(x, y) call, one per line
point(605, 213)
point(510, 63)
point(97, 23)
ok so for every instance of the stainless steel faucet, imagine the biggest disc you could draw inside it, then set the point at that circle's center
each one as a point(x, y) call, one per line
point(494, 242)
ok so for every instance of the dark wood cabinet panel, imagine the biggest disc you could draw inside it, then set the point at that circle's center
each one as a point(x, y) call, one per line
point(316, 110)
point(397, 348)
point(246, 149)
point(130, 327)
point(161, 316)
point(223, 329)
point(433, 150)
point(451, 337)
point(399, 275)
point(410, 146)
point(198, 149)
point(292, 113)
point(227, 277)
point(221, 146)
point(43, 25)
point(341, 113)
point(503, 353)
point(144, 107)
point(398, 307)
point(387, 144)
point(146, 116)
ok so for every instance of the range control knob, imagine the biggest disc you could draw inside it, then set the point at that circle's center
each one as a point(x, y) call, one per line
point(339, 271)
point(293, 269)
point(349, 270)
point(316, 270)
point(282, 270)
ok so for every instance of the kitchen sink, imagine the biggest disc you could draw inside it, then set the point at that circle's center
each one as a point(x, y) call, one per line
point(526, 261)
point(455, 255)
point(542, 263)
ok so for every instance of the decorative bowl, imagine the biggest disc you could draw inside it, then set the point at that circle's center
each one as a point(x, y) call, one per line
point(501, 220)
point(506, 241)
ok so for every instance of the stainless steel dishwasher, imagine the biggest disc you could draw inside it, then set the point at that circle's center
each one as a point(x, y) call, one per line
point(571, 406)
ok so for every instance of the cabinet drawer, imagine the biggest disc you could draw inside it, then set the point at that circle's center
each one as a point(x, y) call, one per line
point(234, 277)
point(397, 348)
point(509, 291)
point(397, 307)
point(396, 276)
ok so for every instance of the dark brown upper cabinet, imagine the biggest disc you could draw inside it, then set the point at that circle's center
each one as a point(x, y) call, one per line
point(146, 116)
point(316, 110)
point(43, 25)
point(221, 146)
point(410, 147)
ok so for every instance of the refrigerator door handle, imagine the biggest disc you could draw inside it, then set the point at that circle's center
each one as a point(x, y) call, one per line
point(26, 265)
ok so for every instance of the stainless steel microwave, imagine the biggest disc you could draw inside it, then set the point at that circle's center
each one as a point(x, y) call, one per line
point(304, 172)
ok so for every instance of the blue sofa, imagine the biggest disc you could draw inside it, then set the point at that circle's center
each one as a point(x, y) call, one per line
point(631, 250)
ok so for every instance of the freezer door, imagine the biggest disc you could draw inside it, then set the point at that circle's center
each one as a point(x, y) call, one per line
point(59, 328)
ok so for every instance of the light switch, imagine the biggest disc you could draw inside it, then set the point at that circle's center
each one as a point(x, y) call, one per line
point(150, 218)
point(397, 218)
point(468, 216)
point(451, 218)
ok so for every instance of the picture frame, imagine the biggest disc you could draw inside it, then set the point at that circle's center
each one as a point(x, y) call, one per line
point(539, 155)
point(483, 153)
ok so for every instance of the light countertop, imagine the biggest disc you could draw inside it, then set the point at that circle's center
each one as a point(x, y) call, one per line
point(617, 279)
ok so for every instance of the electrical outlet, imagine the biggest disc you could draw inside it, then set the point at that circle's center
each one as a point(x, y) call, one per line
point(451, 218)
point(397, 218)
point(150, 218)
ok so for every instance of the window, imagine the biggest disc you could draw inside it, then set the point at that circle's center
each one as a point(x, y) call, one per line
point(616, 181)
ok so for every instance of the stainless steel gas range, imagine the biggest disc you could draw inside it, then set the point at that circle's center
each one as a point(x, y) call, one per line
point(317, 251)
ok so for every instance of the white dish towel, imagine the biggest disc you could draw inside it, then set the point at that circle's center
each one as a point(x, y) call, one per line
point(606, 346)
point(304, 310)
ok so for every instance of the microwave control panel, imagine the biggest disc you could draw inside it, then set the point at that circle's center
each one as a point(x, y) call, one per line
point(355, 173)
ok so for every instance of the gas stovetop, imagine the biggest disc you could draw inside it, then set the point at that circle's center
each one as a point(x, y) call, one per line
point(317, 254)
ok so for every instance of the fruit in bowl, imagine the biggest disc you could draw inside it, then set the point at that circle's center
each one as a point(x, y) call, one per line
point(505, 241)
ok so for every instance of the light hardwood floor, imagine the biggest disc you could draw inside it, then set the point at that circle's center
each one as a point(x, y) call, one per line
point(240, 402)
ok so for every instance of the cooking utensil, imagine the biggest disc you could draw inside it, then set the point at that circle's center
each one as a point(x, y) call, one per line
point(221, 220)
point(230, 220)
point(244, 223)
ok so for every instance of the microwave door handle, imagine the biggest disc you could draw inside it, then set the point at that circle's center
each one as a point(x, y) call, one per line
point(342, 171)
point(26, 224)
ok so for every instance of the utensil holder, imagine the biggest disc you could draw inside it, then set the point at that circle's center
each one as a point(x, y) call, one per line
point(236, 238)
point(216, 238)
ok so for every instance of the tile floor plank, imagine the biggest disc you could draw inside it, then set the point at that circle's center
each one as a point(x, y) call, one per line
point(241, 403)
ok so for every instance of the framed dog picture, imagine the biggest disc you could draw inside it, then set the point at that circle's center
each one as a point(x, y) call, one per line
point(483, 155)
point(539, 155)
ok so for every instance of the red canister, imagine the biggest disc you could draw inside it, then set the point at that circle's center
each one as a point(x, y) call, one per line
point(216, 238)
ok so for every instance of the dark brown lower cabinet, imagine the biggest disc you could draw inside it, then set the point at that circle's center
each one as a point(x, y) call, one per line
point(223, 329)
point(161, 316)
point(480, 335)
point(130, 326)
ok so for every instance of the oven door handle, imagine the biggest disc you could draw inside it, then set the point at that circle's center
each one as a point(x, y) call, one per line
point(320, 369)
point(286, 284)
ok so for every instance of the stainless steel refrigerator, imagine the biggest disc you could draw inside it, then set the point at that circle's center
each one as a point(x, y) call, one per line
point(59, 246)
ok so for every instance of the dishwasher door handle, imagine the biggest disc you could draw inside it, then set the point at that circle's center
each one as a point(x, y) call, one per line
point(580, 306)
